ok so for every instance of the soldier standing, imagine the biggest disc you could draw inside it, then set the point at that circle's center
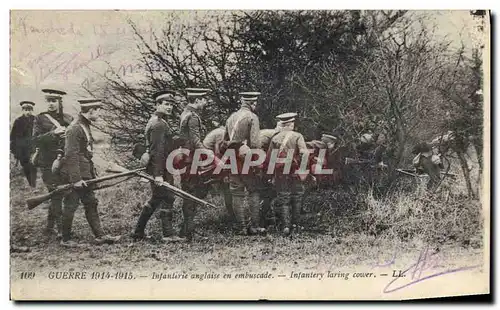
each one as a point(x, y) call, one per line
point(242, 129)
point(77, 166)
point(20, 141)
point(192, 130)
point(289, 185)
point(49, 130)
point(267, 191)
point(159, 142)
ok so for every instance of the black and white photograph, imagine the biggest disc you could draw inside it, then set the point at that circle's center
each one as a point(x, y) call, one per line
point(249, 154)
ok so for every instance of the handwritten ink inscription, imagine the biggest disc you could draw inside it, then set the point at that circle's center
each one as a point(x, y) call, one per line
point(426, 267)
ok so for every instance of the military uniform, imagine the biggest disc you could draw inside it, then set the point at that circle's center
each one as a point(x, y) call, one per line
point(21, 142)
point(76, 166)
point(242, 128)
point(213, 141)
point(427, 162)
point(289, 185)
point(159, 144)
point(191, 131)
point(48, 145)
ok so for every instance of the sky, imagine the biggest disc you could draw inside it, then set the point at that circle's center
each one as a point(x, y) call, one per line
point(66, 49)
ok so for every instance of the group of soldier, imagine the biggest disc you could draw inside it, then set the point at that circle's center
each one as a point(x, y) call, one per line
point(62, 147)
point(243, 192)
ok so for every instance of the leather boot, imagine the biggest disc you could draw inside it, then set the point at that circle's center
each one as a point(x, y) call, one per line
point(94, 220)
point(67, 221)
point(239, 213)
point(296, 207)
point(166, 217)
point(228, 202)
point(189, 214)
point(284, 211)
point(146, 213)
point(254, 205)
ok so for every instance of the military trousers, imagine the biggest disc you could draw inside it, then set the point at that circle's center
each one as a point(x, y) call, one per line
point(162, 200)
point(195, 187)
point(29, 170)
point(54, 216)
point(244, 190)
point(71, 201)
point(290, 191)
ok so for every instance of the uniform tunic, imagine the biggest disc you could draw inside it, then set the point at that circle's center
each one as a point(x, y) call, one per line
point(243, 127)
point(78, 152)
point(20, 138)
point(45, 139)
point(191, 128)
point(213, 140)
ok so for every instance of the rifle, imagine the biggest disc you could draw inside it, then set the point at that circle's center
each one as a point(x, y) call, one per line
point(352, 161)
point(175, 190)
point(33, 202)
point(412, 173)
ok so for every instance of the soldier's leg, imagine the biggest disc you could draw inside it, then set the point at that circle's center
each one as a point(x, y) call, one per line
point(55, 207)
point(146, 213)
point(166, 201)
point(296, 201)
point(237, 190)
point(28, 171)
point(70, 205)
point(228, 200)
point(283, 203)
point(253, 185)
point(433, 171)
point(90, 204)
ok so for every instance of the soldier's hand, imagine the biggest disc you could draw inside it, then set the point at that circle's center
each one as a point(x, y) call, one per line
point(60, 131)
point(80, 184)
point(158, 181)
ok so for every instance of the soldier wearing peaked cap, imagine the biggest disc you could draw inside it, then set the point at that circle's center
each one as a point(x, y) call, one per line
point(49, 130)
point(20, 141)
point(77, 166)
point(192, 131)
point(159, 144)
point(267, 191)
point(242, 130)
point(288, 184)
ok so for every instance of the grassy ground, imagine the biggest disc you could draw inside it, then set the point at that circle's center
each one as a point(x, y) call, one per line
point(340, 243)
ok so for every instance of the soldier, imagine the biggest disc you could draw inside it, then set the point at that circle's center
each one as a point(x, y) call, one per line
point(48, 139)
point(20, 141)
point(427, 162)
point(267, 191)
point(191, 131)
point(289, 185)
point(213, 141)
point(77, 166)
point(242, 130)
point(159, 141)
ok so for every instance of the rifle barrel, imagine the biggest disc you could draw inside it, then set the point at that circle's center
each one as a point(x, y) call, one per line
point(176, 191)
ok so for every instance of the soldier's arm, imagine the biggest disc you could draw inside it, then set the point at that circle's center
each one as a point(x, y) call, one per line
point(195, 132)
point(13, 136)
point(157, 149)
point(71, 153)
point(254, 132)
point(40, 134)
point(209, 141)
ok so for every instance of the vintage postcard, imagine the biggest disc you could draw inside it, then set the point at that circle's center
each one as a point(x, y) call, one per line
point(249, 155)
